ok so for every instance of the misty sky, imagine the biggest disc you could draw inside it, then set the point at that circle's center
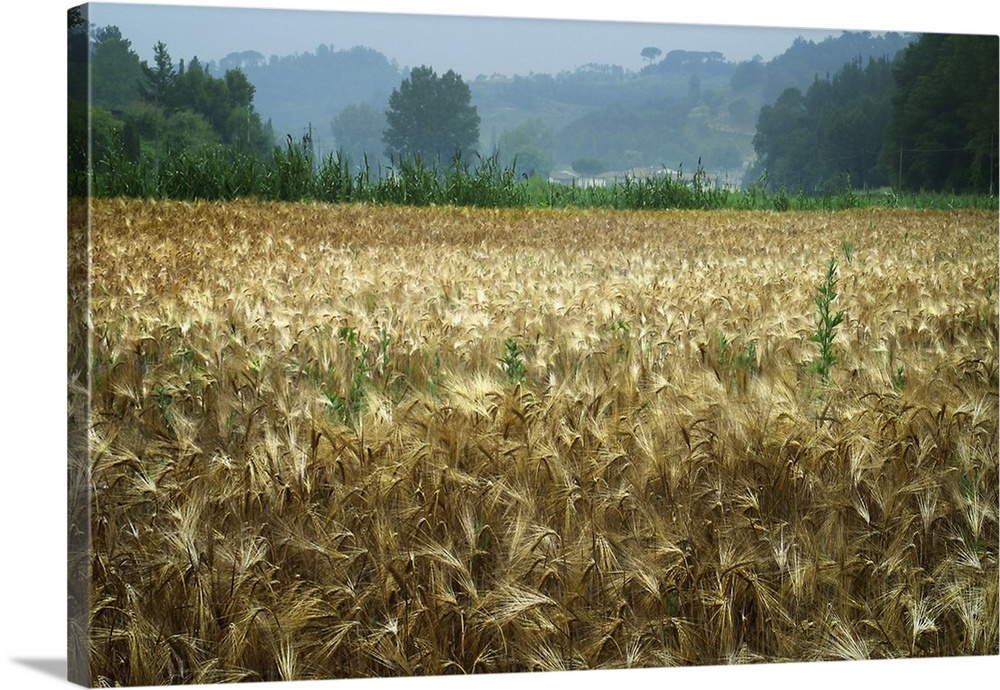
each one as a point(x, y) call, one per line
point(469, 45)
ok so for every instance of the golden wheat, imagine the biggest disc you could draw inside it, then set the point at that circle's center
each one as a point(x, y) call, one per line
point(348, 441)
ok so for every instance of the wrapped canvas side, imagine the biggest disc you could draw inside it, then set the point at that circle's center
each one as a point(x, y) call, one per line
point(77, 361)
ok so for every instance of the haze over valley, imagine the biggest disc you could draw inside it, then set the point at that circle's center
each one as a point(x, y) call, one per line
point(658, 105)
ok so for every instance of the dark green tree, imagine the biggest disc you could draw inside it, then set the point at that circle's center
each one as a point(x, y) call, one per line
point(197, 109)
point(241, 92)
point(832, 135)
point(431, 117)
point(943, 132)
point(651, 53)
point(748, 74)
point(781, 140)
point(243, 126)
point(116, 70)
point(159, 80)
point(589, 166)
point(195, 90)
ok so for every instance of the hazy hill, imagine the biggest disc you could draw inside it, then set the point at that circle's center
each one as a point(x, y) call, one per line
point(294, 91)
point(686, 106)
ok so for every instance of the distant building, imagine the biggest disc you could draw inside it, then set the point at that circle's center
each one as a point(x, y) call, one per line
point(641, 173)
point(571, 178)
point(606, 179)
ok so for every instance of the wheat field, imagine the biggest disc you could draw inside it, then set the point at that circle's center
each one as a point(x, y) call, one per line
point(356, 441)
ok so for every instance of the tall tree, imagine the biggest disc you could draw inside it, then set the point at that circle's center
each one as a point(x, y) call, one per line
point(159, 80)
point(432, 117)
point(830, 135)
point(782, 137)
point(943, 132)
point(116, 70)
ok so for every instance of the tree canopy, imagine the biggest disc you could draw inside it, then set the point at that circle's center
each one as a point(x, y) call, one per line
point(926, 120)
point(133, 111)
point(195, 108)
point(432, 117)
point(831, 134)
point(943, 136)
point(116, 70)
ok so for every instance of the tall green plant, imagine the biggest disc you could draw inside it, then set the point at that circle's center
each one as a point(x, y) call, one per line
point(291, 176)
point(827, 321)
point(513, 362)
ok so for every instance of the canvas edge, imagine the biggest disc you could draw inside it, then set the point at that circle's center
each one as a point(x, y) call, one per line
point(78, 515)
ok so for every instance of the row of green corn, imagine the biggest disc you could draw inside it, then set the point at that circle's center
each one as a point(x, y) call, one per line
point(292, 174)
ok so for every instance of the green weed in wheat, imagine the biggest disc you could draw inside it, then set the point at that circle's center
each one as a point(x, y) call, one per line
point(827, 321)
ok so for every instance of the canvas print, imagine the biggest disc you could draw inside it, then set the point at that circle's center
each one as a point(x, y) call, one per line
point(412, 345)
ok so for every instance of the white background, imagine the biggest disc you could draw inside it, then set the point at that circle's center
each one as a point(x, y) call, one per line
point(32, 319)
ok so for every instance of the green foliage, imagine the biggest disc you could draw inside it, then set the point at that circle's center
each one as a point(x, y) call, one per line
point(164, 399)
point(289, 174)
point(290, 177)
point(487, 185)
point(666, 191)
point(172, 107)
point(826, 323)
point(431, 117)
point(348, 408)
point(215, 172)
point(848, 248)
point(435, 379)
point(746, 359)
point(513, 362)
point(383, 355)
point(735, 360)
point(819, 140)
point(619, 326)
point(334, 181)
point(943, 135)
point(899, 379)
point(186, 129)
point(114, 174)
point(661, 129)
point(116, 70)
point(159, 81)
point(799, 65)
point(651, 53)
point(314, 86)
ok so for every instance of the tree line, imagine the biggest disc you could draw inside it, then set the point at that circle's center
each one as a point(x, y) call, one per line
point(138, 124)
point(926, 120)
point(135, 112)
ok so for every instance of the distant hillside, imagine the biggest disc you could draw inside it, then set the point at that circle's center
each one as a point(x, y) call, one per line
point(295, 91)
point(688, 105)
point(805, 60)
